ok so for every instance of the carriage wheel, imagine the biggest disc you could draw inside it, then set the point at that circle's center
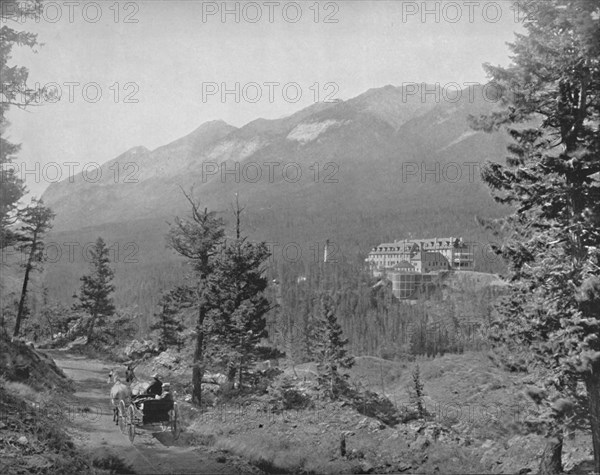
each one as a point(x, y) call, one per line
point(131, 423)
point(122, 416)
point(175, 427)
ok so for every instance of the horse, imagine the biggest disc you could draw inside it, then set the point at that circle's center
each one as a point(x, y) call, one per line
point(135, 388)
point(119, 392)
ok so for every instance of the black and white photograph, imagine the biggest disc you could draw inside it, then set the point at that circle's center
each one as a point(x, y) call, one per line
point(300, 237)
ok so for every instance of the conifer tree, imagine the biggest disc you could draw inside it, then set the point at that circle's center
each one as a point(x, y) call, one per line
point(331, 351)
point(199, 238)
point(238, 321)
point(551, 108)
point(96, 288)
point(15, 93)
point(36, 220)
point(169, 320)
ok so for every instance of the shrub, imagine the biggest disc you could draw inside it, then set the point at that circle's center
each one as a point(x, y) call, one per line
point(260, 381)
point(416, 393)
point(287, 396)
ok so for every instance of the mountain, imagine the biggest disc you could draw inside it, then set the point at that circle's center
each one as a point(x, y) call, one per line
point(384, 165)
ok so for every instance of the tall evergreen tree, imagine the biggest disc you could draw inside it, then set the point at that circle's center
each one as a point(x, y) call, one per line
point(331, 350)
point(238, 323)
point(169, 320)
point(96, 288)
point(36, 220)
point(198, 238)
point(15, 93)
point(550, 95)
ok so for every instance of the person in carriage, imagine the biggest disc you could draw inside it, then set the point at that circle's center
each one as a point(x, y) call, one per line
point(156, 387)
point(166, 393)
point(153, 391)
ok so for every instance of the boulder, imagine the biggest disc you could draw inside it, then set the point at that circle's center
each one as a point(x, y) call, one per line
point(168, 359)
point(214, 378)
point(139, 349)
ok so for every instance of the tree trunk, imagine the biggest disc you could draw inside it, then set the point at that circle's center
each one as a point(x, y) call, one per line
point(28, 268)
point(21, 310)
point(551, 463)
point(50, 325)
point(90, 331)
point(197, 374)
point(592, 385)
point(198, 368)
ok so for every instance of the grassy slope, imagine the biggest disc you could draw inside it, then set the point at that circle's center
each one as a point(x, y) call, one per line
point(474, 405)
point(34, 440)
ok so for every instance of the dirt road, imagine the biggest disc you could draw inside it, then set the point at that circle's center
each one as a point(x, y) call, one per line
point(153, 451)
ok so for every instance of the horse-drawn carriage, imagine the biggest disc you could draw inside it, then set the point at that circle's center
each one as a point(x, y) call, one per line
point(147, 411)
point(134, 407)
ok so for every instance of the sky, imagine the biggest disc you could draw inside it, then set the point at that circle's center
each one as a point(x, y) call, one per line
point(149, 72)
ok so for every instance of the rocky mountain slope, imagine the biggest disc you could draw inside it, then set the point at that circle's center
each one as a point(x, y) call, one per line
point(375, 145)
